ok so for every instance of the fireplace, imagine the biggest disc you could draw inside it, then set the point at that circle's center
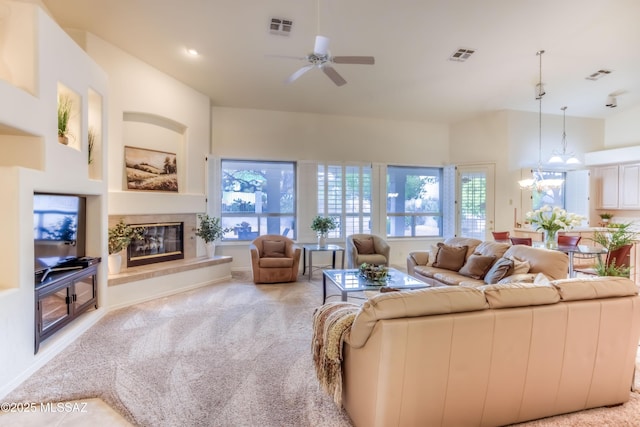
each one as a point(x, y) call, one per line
point(160, 242)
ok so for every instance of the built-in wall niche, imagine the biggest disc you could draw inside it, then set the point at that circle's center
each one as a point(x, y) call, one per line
point(18, 45)
point(94, 135)
point(20, 148)
point(69, 117)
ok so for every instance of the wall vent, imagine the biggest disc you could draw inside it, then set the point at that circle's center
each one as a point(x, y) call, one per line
point(598, 74)
point(461, 54)
point(280, 26)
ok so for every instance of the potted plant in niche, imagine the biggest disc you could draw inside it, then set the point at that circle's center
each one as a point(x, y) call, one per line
point(322, 225)
point(210, 229)
point(64, 113)
point(120, 236)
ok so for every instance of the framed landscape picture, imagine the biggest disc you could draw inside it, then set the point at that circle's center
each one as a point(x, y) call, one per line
point(150, 170)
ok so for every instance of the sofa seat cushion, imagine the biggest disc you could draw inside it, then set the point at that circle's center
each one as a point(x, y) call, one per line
point(415, 303)
point(275, 262)
point(453, 278)
point(519, 295)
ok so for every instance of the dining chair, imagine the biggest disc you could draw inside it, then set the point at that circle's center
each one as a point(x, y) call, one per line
point(564, 240)
point(500, 236)
point(619, 257)
point(521, 241)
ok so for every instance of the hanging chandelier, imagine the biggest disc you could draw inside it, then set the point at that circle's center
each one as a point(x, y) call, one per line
point(562, 157)
point(538, 182)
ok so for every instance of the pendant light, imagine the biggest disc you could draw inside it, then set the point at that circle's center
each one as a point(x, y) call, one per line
point(562, 157)
point(538, 182)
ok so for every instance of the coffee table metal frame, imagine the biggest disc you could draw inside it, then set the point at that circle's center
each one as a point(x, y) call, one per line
point(350, 281)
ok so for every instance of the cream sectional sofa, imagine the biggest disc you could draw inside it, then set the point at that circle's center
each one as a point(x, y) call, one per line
point(553, 264)
point(491, 355)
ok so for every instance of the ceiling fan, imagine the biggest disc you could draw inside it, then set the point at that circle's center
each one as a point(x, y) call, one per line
point(321, 58)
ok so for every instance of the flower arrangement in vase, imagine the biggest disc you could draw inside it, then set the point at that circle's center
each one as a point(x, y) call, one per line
point(551, 220)
point(322, 225)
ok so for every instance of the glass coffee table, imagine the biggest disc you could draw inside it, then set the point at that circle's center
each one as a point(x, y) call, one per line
point(351, 281)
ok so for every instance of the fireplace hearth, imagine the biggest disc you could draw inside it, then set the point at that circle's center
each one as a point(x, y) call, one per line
point(160, 242)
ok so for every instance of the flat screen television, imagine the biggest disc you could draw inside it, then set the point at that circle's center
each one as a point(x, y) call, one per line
point(59, 229)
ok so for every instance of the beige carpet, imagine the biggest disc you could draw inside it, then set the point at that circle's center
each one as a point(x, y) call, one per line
point(231, 354)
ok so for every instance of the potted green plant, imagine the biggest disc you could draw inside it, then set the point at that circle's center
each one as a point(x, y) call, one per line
point(120, 236)
point(616, 236)
point(64, 113)
point(91, 137)
point(210, 229)
point(606, 217)
point(322, 225)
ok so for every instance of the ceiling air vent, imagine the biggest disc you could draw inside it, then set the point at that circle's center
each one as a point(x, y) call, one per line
point(598, 74)
point(280, 26)
point(461, 54)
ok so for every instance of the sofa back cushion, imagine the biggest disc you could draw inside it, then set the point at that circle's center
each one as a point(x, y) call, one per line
point(593, 288)
point(416, 303)
point(450, 257)
point(519, 295)
point(469, 242)
point(554, 264)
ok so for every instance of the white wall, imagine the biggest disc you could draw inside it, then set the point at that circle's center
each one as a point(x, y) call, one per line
point(39, 163)
point(623, 129)
point(275, 135)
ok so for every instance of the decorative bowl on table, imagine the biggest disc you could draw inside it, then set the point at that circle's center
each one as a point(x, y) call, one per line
point(378, 274)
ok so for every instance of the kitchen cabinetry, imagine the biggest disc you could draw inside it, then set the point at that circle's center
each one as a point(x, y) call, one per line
point(618, 186)
point(61, 298)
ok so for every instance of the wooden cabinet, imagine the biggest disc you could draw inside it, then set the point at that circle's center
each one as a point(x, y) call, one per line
point(61, 298)
point(607, 179)
point(618, 186)
point(629, 186)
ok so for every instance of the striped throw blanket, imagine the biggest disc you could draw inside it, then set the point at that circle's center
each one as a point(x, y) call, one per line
point(331, 323)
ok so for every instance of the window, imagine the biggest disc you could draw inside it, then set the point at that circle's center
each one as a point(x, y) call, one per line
point(550, 196)
point(344, 192)
point(258, 198)
point(414, 201)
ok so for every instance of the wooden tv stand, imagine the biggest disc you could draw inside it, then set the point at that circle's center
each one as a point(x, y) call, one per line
point(62, 297)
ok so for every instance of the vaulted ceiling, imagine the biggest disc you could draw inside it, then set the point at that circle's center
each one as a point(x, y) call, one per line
point(240, 63)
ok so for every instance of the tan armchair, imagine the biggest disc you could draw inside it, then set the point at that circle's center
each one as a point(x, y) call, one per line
point(274, 259)
point(367, 248)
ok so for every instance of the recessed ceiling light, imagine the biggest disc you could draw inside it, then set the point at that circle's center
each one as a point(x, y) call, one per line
point(192, 52)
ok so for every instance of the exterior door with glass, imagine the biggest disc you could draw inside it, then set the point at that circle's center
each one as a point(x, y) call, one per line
point(475, 201)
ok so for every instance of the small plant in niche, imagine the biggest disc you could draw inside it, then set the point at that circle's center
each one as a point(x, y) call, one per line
point(92, 141)
point(65, 103)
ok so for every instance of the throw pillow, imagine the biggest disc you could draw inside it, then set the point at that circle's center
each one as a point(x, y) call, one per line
point(477, 265)
point(541, 279)
point(498, 271)
point(364, 246)
point(450, 257)
point(519, 266)
point(273, 249)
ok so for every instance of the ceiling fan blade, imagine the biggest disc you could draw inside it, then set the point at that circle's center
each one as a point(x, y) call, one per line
point(298, 73)
point(321, 47)
point(333, 75)
point(365, 60)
